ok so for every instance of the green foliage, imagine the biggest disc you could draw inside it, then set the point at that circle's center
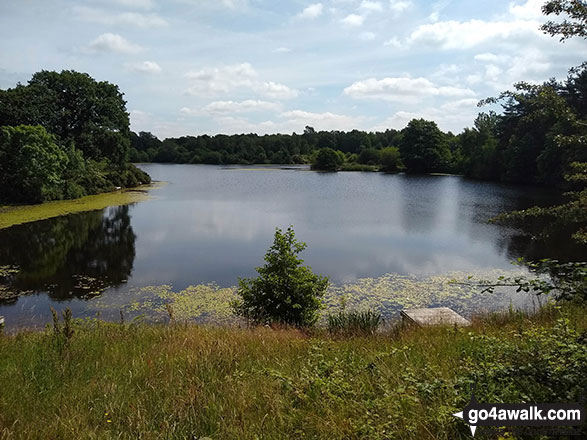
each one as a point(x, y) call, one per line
point(357, 167)
point(32, 165)
point(478, 147)
point(285, 291)
point(575, 23)
point(74, 107)
point(62, 332)
point(327, 160)
point(563, 281)
point(354, 323)
point(183, 381)
point(390, 159)
point(570, 215)
point(88, 121)
point(369, 156)
point(543, 365)
point(424, 148)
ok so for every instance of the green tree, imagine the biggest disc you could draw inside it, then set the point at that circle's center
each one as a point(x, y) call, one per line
point(285, 291)
point(575, 25)
point(327, 160)
point(478, 147)
point(423, 147)
point(369, 156)
point(31, 165)
point(74, 107)
point(390, 159)
point(540, 134)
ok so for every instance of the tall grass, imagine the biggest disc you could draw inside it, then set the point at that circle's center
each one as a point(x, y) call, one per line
point(354, 323)
point(180, 381)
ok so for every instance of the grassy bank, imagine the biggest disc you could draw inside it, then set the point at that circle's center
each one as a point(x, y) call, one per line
point(186, 381)
point(14, 215)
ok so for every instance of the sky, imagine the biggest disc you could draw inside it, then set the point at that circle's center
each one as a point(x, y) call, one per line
point(191, 67)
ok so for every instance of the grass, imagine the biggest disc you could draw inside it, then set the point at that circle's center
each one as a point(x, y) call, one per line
point(15, 215)
point(97, 380)
point(354, 322)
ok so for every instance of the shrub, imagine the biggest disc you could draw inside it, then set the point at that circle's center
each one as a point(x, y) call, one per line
point(357, 167)
point(285, 291)
point(390, 159)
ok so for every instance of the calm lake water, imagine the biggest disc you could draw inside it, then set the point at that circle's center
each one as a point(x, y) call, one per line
point(214, 224)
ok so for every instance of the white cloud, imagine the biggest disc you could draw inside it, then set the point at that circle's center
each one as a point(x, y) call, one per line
point(452, 115)
point(399, 6)
point(501, 71)
point(393, 42)
point(275, 90)
point(228, 107)
point(138, 19)
point(221, 79)
point(474, 79)
point(234, 4)
point(468, 34)
point(367, 36)
point(144, 67)
point(228, 78)
point(353, 20)
point(320, 121)
point(282, 50)
point(369, 5)
point(531, 9)
point(113, 43)
point(402, 89)
point(490, 57)
point(312, 11)
point(144, 4)
point(145, 121)
point(238, 125)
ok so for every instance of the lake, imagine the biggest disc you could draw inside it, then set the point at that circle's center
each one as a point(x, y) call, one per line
point(212, 224)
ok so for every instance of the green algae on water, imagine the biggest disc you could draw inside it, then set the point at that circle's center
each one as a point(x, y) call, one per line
point(15, 215)
point(387, 295)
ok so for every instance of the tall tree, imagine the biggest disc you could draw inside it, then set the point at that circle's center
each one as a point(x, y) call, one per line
point(75, 108)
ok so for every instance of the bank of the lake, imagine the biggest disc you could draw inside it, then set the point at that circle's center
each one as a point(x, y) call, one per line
point(185, 381)
point(19, 214)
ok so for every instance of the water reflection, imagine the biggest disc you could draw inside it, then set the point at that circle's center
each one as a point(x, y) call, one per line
point(78, 255)
point(213, 225)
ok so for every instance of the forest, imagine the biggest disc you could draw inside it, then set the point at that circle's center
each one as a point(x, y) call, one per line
point(533, 141)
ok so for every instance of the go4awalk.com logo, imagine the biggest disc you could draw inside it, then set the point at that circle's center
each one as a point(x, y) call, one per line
point(522, 414)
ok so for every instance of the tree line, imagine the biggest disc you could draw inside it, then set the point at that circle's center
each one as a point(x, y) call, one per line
point(64, 135)
point(523, 144)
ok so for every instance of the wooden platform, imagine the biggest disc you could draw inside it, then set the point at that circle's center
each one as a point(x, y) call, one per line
point(436, 316)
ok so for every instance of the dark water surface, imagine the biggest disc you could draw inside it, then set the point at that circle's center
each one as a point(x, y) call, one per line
point(214, 224)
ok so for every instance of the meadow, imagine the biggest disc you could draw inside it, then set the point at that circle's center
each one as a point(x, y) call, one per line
point(97, 380)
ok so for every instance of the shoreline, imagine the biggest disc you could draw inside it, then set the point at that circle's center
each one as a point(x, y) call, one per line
point(11, 215)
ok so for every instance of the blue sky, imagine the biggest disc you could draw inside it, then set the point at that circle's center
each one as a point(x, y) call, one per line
point(233, 66)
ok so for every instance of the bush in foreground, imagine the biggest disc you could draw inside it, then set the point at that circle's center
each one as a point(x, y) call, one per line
point(285, 292)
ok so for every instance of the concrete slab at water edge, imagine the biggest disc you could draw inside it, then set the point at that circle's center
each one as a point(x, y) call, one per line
point(433, 316)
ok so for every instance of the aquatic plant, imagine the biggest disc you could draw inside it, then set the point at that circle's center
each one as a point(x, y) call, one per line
point(354, 323)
